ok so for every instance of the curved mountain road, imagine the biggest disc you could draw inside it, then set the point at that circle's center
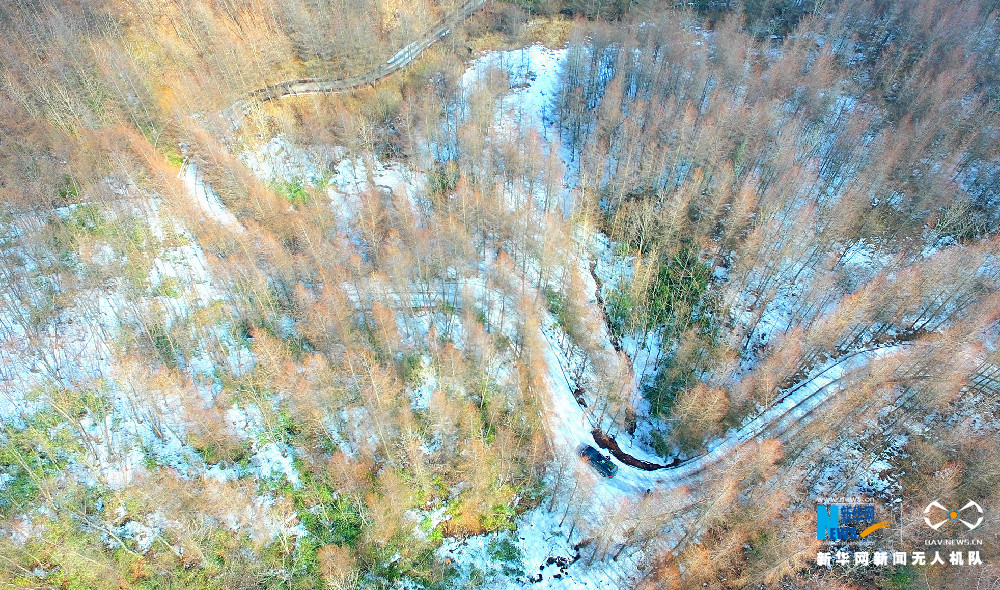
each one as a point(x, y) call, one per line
point(569, 425)
point(398, 61)
point(784, 414)
point(779, 421)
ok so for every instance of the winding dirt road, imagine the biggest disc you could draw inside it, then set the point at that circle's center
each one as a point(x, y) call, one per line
point(781, 418)
point(570, 425)
point(398, 61)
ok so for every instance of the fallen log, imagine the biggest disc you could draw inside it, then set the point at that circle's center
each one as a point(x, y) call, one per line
point(609, 444)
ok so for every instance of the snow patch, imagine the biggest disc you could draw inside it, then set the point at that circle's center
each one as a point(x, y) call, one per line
point(205, 198)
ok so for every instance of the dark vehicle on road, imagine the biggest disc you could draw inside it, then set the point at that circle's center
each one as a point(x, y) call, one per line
point(600, 462)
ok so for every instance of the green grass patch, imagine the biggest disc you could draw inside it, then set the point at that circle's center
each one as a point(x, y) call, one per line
point(409, 368)
point(31, 455)
point(621, 311)
point(677, 292)
point(70, 190)
point(659, 443)
point(164, 345)
point(332, 519)
point(900, 579)
point(503, 550)
point(168, 287)
point(500, 517)
point(293, 192)
point(88, 220)
point(443, 179)
point(175, 160)
point(556, 302)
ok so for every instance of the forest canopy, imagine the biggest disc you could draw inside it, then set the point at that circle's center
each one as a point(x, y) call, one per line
point(316, 293)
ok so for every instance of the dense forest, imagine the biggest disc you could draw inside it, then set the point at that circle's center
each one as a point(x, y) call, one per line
point(353, 339)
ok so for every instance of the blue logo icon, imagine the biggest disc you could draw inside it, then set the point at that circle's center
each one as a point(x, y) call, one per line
point(844, 523)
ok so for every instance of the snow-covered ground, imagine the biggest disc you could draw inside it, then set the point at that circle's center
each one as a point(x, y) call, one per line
point(205, 198)
point(533, 76)
point(534, 82)
point(342, 176)
point(552, 546)
point(140, 416)
point(540, 553)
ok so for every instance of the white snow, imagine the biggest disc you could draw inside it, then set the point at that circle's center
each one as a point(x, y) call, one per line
point(272, 459)
point(545, 557)
point(534, 80)
point(280, 160)
point(547, 552)
point(427, 383)
point(205, 198)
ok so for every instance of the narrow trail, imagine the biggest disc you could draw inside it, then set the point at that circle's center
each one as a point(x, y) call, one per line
point(398, 61)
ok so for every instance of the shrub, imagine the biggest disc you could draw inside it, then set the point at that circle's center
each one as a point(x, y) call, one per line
point(294, 192)
point(503, 549)
point(168, 287)
point(620, 309)
point(556, 303)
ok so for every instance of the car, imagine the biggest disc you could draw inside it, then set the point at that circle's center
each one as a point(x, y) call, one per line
point(601, 463)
